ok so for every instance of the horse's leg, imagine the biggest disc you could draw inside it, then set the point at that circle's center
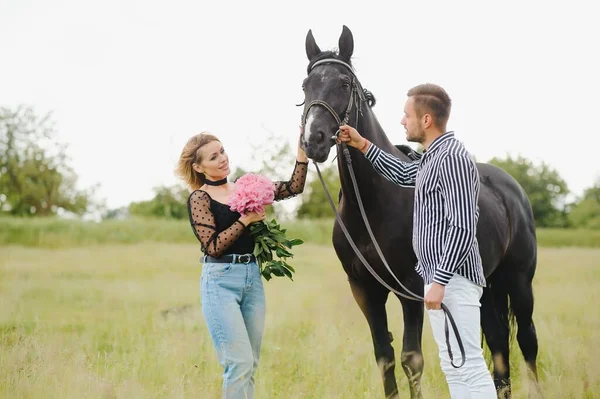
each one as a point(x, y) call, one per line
point(495, 327)
point(521, 302)
point(412, 356)
point(372, 304)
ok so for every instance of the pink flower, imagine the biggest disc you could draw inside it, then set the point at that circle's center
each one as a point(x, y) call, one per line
point(252, 192)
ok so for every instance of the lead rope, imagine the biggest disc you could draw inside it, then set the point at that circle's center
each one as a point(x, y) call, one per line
point(415, 297)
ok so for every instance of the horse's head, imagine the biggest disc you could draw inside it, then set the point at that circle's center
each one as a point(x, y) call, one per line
point(330, 90)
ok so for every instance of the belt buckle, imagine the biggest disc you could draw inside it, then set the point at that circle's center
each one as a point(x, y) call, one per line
point(245, 259)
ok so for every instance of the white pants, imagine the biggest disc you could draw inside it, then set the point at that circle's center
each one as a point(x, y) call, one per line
point(472, 380)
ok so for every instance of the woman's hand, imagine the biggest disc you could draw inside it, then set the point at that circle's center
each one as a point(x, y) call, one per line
point(253, 217)
point(301, 157)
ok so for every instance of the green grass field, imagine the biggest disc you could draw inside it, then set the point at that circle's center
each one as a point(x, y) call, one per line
point(61, 233)
point(124, 321)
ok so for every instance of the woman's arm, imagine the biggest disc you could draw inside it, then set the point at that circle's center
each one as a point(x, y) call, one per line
point(294, 186)
point(203, 224)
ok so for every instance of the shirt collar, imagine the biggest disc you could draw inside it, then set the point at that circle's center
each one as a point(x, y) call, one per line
point(439, 141)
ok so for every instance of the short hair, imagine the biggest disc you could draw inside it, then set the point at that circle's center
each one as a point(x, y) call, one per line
point(432, 99)
point(191, 155)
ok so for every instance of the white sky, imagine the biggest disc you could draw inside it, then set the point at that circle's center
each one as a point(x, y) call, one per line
point(129, 82)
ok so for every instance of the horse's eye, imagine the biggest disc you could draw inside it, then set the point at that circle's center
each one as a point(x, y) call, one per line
point(345, 83)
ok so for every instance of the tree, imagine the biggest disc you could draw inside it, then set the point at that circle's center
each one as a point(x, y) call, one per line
point(274, 156)
point(315, 204)
point(276, 161)
point(237, 173)
point(593, 193)
point(546, 190)
point(168, 202)
point(35, 178)
point(586, 212)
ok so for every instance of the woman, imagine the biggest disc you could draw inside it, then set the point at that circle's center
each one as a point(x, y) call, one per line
point(232, 294)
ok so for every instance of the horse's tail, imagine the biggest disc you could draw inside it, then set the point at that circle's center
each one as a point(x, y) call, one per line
point(512, 324)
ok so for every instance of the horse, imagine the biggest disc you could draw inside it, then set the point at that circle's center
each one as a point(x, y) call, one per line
point(505, 231)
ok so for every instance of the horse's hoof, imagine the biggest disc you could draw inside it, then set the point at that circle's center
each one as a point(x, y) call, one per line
point(503, 389)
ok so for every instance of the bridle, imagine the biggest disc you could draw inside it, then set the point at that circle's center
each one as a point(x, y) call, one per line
point(357, 97)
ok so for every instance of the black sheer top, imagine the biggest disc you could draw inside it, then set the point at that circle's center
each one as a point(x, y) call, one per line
point(217, 227)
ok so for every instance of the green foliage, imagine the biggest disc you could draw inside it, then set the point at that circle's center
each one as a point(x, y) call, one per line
point(237, 173)
point(586, 212)
point(274, 156)
point(544, 187)
point(61, 233)
point(315, 204)
point(593, 193)
point(54, 232)
point(168, 202)
point(561, 238)
point(269, 239)
point(276, 161)
point(35, 178)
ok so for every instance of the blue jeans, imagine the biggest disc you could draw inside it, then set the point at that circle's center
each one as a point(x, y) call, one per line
point(233, 304)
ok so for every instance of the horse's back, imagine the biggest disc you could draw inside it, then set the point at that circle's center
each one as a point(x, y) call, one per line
point(506, 228)
point(498, 183)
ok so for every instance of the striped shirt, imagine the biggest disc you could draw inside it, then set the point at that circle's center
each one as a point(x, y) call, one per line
point(445, 215)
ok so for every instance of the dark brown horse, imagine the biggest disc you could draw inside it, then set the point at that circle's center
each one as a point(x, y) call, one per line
point(506, 231)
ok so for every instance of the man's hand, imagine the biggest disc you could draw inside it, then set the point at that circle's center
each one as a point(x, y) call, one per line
point(350, 136)
point(434, 297)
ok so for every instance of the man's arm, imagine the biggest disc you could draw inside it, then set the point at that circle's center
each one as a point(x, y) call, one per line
point(387, 165)
point(459, 182)
point(391, 167)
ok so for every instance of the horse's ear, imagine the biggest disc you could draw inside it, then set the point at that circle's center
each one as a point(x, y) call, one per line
point(312, 50)
point(346, 44)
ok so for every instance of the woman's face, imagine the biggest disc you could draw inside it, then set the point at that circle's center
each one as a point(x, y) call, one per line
point(214, 161)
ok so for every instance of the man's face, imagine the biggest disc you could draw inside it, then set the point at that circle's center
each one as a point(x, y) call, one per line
point(412, 123)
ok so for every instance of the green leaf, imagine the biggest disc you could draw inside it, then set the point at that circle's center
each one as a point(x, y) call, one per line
point(266, 274)
point(269, 241)
point(257, 249)
point(288, 266)
point(265, 246)
point(282, 253)
point(278, 272)
point(287, 273)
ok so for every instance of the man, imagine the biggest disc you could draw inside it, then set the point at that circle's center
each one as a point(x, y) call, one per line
point(446, 185)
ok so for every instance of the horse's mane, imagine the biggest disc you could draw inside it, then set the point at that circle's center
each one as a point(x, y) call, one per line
point(406, 150)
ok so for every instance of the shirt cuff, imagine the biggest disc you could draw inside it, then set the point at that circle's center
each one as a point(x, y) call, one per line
point(372, 152)
point(442, 277)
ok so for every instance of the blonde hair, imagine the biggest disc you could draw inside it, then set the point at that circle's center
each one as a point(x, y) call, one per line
point(191, 155)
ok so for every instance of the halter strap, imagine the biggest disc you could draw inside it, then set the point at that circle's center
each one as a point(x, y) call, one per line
point(332, 61)
point(356, 88)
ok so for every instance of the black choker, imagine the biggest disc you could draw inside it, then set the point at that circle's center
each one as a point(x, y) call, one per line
point(215, 183)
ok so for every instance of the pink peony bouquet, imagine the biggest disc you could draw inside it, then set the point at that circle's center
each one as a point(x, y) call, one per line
point(251, 194)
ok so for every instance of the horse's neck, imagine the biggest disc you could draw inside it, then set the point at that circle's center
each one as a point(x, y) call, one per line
point(366, 177)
